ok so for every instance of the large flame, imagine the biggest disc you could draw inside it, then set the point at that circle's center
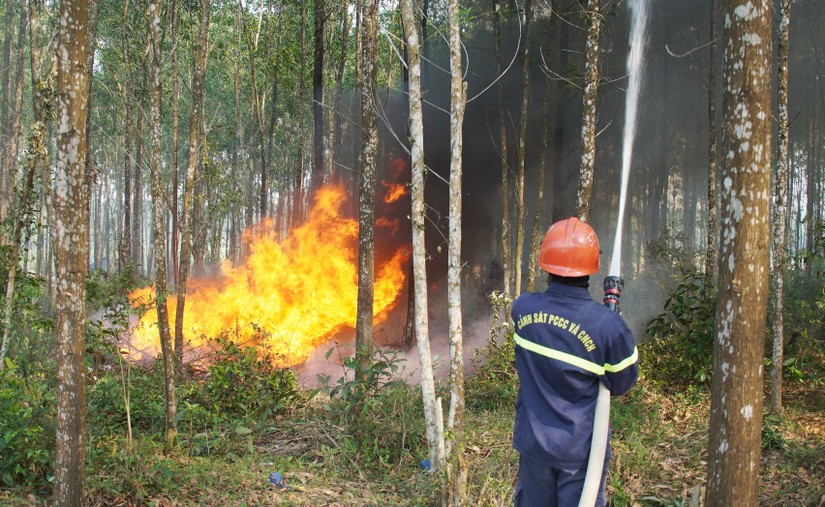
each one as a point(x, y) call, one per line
point(290, 296)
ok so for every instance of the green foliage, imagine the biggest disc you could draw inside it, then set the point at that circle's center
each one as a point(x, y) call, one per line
point(107, 290)
point(494, 384)
point(365, 404)
point(681, 351)
point(27, 407)
point(243, 383)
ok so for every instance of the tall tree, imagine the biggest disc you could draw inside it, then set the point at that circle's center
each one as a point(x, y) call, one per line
point(522, 145)
point(538, 208)
point(737, 395)
point(432, 406)
point(506, 254)
point(318, 91)
point(366, 185)
point(457, 481)
point(5, 93)
point(21, 215)
point(159, 218)
point(591, 86)
point(711, 260)
point(173, 8)
point(780, 211)
point(195, 152)
point(71, 243)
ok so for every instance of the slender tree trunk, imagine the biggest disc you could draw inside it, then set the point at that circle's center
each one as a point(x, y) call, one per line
point(195, 144)
point(779, 234)
point(737, 395)
point(158, 219)
point(6, 172)
point(175, 142)
point(137, 196)
point(318, 91)
point(71, 240)
point(258, 106)
point(432, 406)
point(298, 195)
point(366, 188)
point(337, 131)
point(522, 147)
point(711, 260)
point(591, 86)
point(506, 253)
point(457, 475)
point(538, 212)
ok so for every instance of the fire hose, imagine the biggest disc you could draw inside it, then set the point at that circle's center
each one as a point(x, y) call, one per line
point(601, 419)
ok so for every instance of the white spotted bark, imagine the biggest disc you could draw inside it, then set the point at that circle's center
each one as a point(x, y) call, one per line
point(159, 219)
point(432, 406)
point(366, 186)
point(780, 212)
point(70, 235)
point(737, 395)
point(591, 86)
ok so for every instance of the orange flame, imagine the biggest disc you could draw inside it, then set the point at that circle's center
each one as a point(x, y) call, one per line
point(290, 296)
point(395, 191)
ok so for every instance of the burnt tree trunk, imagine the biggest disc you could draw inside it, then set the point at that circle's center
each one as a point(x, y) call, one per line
point(591, 86)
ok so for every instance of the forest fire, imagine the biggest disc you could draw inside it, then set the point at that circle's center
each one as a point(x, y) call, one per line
point(290, 296)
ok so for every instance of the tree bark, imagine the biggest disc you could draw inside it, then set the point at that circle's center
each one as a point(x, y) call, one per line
point(591, 86)
point(779, 234)
point(506, 252)
point(158, 219)
point(175, 141)
point(711, 257)
point(195, 151)
point(736, 399)
point(71, 242)
point(366, 188)
point(6, 172)
point(432, 406)
point(457, 476)
point(522, 146)
point(318, 91)
point(538, 212)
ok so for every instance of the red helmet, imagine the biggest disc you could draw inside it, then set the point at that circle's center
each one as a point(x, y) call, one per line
point(570, 248)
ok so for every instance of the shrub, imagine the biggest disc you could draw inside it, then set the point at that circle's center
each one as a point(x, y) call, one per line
point(681, 351)
point(27, 408)
point(242, 382)
point(495, 382)
point(384, 416)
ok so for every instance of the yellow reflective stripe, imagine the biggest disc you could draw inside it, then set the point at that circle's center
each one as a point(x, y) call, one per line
point(584, 364)
point(624, 364)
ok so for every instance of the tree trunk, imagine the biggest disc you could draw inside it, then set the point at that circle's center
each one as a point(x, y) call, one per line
point(318, 91)
point(71, 242)
point(711, 258)
point(457, 471)
point(366, 188)
point(6, 172)
point(158, 219)
point(736, 400)
point(591, 85)
point(175, 141)
point(195, 151)
point(432, 406)
point(538, 212)
point(779, 234)
point(258, 107)
point(522, 147)
point(506, 253)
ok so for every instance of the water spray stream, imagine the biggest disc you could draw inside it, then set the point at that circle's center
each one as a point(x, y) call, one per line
point(613, 283)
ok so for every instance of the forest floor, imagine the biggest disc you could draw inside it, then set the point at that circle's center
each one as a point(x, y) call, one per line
point(659, 452)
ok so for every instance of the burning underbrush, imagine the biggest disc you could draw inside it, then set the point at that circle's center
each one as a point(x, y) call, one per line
point(289, 296)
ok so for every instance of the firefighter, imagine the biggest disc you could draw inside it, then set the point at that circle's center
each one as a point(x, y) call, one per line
point(566, 343)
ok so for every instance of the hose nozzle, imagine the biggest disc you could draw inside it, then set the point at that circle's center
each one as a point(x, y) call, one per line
point(613, 286)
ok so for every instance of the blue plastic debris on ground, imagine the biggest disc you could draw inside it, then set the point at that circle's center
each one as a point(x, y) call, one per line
point(277, 478)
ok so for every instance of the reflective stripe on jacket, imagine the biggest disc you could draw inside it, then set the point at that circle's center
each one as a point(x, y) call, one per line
point(566, 343)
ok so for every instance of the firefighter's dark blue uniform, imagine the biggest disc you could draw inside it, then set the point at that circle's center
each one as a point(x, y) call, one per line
point(566, 343)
